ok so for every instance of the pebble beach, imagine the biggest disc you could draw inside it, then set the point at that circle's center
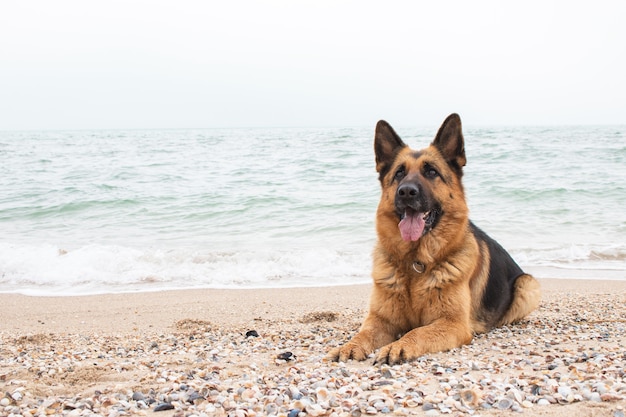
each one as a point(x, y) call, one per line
point(263, 352)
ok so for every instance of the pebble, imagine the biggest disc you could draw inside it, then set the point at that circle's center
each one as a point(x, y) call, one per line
point(164, 407)
point(138, 396)
point(212, 371)
point(285, 356)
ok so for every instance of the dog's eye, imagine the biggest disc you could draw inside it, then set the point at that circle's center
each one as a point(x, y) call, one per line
point(430, 172)
point(400, 173)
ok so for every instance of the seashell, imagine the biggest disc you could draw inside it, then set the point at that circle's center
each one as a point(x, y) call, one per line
point(489, 399)
point(371, 411)
point(517, 395)
point(470, 397)
point(333, 402)
point(595, 397)
point(321, 393)
point(315, 410)
point(294, 393)
point(401, 411)
point(379, 405)
point(347, 403)
point(108, 401)
point(386, 372)
point(564, 391)
point(428, 406)
point(194, 396)
point(374, 398)
point(600, 388)
point(521, 383)
point(449, 402)
point(504, 404)
point(355, 412)
point(300, 404)
point(611, 397)
point(411, 402)
point(14, 410)
point(248, 394)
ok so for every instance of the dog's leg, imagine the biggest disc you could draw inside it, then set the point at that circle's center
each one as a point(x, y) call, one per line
point(525, 299)
point(374, 333)
point(440, 335)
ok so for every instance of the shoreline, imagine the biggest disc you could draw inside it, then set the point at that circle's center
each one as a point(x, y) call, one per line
point(69, 313)
point(86, 354)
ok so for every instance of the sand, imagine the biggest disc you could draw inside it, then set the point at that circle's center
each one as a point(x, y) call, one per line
point(187, 352)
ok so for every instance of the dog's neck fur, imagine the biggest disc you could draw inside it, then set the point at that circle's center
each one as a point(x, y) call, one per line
point(420, 260)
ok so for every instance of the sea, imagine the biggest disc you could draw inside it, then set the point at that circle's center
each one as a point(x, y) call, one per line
point(112, 211)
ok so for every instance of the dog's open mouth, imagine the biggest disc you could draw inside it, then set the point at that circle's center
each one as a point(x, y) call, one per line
point(414, 224)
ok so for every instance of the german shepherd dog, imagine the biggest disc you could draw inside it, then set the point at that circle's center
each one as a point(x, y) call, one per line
point(438, 279)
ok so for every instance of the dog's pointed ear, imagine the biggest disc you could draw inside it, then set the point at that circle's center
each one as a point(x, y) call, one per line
point(387, 143)
point(449, 141)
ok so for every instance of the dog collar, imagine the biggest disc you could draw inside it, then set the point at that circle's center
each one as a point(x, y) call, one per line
point(418, 267)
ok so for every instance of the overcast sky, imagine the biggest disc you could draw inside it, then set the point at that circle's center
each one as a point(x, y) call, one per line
point(192, 64)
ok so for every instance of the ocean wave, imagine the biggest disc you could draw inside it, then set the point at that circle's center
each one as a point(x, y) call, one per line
point(48, 269)
point(150, 209)
point(611, 257)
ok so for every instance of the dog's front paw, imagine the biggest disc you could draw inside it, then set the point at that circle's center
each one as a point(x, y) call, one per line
point(350, 350)
point(397, 352)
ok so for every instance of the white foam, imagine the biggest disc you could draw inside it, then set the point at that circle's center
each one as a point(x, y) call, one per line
point(589, 261)
point(47, 269)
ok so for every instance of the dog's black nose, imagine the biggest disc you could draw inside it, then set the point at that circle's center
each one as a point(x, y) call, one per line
point(408, 192)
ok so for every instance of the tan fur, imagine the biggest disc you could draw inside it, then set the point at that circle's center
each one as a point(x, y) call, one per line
point(416, 312)
point(527, 297)
point(478, 284)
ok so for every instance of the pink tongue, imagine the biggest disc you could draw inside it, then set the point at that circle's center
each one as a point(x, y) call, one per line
point(412, 226)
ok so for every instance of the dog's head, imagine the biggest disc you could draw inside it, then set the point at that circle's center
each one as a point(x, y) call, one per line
point(422, 190)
